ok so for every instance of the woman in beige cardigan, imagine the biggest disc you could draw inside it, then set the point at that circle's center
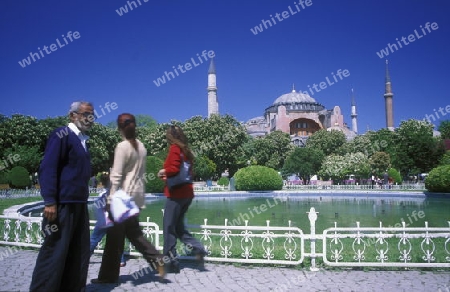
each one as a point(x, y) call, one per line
point(127, 172)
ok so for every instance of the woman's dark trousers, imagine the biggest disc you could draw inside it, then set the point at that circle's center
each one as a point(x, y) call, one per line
point(173, 221)
point(115, 237)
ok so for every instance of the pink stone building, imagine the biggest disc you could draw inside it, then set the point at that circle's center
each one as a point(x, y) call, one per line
point(300, 115)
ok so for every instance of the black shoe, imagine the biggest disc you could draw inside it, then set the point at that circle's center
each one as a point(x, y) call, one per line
point(173, 268)
point(104, 281)
point(162, 271)
point(200, 258)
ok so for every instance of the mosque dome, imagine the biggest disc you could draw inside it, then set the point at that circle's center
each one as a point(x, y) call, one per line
point(256, 126)
point(294, 97)
point(257, 120)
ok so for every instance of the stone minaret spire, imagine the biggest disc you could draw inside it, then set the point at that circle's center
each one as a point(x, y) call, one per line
point(388, 100)
point(354, 115)
point(213, 104)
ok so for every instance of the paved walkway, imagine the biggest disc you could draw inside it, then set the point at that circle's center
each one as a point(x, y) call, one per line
point(16, 267)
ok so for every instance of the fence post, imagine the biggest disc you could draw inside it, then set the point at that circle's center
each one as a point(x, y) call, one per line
point(312, 216)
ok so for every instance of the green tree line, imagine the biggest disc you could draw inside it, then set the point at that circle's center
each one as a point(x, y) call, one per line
point(222, 143)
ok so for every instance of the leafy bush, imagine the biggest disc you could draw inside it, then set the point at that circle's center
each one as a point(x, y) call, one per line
point(223, 181)
point(103, 178)
point(19, 177)
point(445, 160)
point(204, 168)
point(438, 179)
point(153, 184)
point(4, 177)
point(258, 178)
point(395, 175)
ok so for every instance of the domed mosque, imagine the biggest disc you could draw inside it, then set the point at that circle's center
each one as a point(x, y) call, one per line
point(300, 115)
point(295, 113)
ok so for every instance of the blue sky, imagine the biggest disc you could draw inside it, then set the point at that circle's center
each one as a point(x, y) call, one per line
point(116, 58)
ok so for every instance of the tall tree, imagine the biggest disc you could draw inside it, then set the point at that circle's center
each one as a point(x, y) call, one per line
point(380, 162)
point(417, 150)
point(270, 150)
point(154, 140)
point(383, 140)
point(444, 128)
point(204, 168)
point(22, 130)
point(333, 167)
point(28, 157)
point(303, 161)
point(220, 138)
point(102, 143)
point(141, 121)
point(357, 164)
point(327, 141)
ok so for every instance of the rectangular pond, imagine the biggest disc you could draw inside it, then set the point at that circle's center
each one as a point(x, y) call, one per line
point(343, 209)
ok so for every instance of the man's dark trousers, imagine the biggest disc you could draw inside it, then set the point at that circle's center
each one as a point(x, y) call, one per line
point(63, 259)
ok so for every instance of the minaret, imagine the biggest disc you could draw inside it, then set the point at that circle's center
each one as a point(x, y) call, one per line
point(388, 100)
point(354, 115)
point(213, 104)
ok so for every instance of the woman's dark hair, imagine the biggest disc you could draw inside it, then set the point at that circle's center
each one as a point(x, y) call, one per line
point(127, 126)
point(175, 135)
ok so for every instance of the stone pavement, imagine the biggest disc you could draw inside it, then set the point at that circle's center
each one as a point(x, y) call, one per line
point(16, 267)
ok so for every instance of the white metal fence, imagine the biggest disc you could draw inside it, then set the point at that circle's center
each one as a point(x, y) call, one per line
point(402, 187)
point(16, 193)
point(335, 246)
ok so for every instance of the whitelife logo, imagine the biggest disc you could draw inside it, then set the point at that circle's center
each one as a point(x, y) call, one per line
point(411, 38)
point(284, 15)
point(12, 158)
point(53, 47)
point(124, 9)
point(323, 85)
point(183, 68)
point(108, 106)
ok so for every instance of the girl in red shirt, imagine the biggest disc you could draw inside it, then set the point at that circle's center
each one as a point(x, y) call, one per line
point(179, 198)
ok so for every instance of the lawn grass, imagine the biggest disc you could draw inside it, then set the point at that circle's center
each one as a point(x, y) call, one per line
point(6, 203)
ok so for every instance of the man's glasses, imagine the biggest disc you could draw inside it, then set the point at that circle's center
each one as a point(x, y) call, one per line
point(128, 121)
point(88, 115)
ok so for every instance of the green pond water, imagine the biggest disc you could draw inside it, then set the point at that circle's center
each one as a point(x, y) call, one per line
point(344, 209)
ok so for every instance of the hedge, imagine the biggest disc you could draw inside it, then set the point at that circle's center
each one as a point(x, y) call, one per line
point(258, 178)
point(438, 179)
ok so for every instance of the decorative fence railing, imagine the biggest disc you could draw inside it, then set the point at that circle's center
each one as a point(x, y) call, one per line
point(299, 187)
point(402, 187)
point(337, 246)
point(16, 193)
point(33, 192)
point(387, 246)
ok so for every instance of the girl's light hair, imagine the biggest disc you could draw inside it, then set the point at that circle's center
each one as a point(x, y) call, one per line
point(175, 135)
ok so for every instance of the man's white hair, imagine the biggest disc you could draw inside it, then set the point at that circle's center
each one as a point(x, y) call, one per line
point(75, 106)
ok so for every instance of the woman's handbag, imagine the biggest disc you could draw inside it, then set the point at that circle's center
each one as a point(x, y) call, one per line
point(123, 207)
point(183, 177)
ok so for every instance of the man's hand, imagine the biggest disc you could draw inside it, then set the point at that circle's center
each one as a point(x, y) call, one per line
point(50, 212)
point(162, 174)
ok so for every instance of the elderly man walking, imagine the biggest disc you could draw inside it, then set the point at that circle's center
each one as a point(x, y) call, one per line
point(63, 260)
